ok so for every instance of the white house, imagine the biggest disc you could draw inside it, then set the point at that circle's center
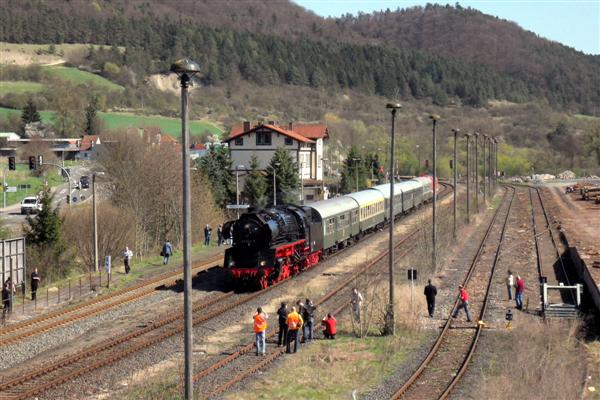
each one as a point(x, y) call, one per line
point(304, 142)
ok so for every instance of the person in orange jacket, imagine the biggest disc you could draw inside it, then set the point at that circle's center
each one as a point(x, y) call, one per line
point(294, 322)
point(260, 330)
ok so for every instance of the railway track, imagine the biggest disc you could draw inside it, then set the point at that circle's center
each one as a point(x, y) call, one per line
point(109, 351)
point(451, 353)
point(549, 261)
point(275, 352)
point(55, 319)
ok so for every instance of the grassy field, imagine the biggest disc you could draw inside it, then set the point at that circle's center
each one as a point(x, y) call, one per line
point(19, 87)
point(22, 176)
point(77, 77)
point(114, 120)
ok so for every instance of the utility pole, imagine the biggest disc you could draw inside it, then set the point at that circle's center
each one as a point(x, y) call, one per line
point(301, 183)
point(275, 182)
point(485, 138)
point(95, 217)
point(476, 173)
point(237, 188)
point(390, 319)
point(468, 137)
point(434, 119)
point(356, 160)
point(186, 69)
point(456, 131)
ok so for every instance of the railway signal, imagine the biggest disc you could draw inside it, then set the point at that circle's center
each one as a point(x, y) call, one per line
point(12, 164)
point(32, 163)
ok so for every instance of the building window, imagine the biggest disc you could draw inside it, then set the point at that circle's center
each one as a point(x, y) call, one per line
point(263, 138)
point(239, 141)
point(288, 141)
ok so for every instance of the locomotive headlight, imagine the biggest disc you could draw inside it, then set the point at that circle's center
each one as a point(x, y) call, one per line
point(263, 263)
point(231, 264)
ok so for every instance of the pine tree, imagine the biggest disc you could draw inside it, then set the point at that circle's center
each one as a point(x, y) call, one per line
point(354, 164)
point(30, 113)
point(91, 117)
point(44, 229)
point(216, 165)
point(255, 188)
point(286, 177)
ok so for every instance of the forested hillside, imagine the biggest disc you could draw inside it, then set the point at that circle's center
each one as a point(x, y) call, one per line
point(283, 44)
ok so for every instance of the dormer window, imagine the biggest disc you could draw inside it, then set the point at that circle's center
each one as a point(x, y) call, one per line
point(239, 141)
point(263, 138)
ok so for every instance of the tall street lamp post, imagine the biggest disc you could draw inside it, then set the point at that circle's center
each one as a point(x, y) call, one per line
point(95, 219)
point(418, 158)
point(468, 137)
point(185, 70)
point(390, 319)
point(434, 119)
point(323, 161)
point(237, 187)
point(275, 182)
point(456, 131)
point(490, 166)
point(476, 173)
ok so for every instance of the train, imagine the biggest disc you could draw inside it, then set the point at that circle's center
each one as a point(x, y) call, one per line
point(272, 244)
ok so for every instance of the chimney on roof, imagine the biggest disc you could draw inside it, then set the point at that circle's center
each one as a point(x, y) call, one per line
point(271, 122)
point(246, 126)
point(291, 126)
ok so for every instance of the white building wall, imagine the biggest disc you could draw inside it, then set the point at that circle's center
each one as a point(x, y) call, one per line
point(308, 156)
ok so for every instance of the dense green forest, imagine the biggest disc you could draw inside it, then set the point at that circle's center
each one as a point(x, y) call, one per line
point(152, 42)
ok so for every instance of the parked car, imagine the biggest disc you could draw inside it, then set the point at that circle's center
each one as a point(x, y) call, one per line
point(31, 205)
point(84, 182)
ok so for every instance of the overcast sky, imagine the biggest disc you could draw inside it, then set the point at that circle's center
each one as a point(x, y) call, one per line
point(575, 23)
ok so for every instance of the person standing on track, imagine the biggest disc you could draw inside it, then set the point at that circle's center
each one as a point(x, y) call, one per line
point(308, 313)
point(260, 330)
point(520, 288)
point(510, 282)
point(464, 303)
point(35, 281)
point(282, 314)
point(167, 251)
point(127, 255)
point(430, 292)
point(294, 323)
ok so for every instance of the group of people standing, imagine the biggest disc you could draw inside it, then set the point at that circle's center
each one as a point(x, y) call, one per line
point(430, 293)
point(291, 321)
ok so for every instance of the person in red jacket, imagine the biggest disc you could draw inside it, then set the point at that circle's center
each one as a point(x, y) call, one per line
point(330, 325)
point(520, 288)
point(464, 303)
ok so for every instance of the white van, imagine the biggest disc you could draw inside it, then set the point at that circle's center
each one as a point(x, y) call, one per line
point(30, 205)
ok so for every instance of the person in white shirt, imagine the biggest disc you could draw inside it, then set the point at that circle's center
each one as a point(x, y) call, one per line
point(356, 300)
point(127, 255)
point(510, 283)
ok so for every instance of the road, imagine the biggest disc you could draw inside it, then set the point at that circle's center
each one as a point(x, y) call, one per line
point(12, 214)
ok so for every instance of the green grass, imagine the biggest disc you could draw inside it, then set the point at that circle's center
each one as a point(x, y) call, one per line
point(343, 365)
point(172, 126)
point(114, 120)
point(23, 176)
point(19, 87)
point(78, 77)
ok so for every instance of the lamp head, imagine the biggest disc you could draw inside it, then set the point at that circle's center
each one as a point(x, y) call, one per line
point(476, 134)
point(393, 106)
point(456, 131)
point(185, 66)
point(434, 117)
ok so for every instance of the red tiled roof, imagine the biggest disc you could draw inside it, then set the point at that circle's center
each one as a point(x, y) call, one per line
point(167, 139)
point(198, 146)
point(311, 131)
point(88, 141)
point(240, 132)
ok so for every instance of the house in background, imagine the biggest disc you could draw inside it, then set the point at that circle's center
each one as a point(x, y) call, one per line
point(88, 147)
point(304, 142)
